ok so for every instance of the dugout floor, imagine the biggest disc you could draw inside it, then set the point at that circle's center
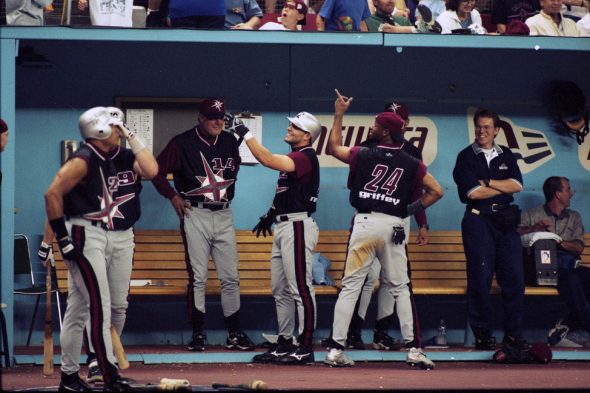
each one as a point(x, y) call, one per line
point(456, 369)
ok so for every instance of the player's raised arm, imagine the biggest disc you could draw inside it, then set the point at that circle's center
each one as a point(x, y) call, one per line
point(335, 147)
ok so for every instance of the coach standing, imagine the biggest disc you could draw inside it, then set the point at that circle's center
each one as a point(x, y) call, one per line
point(205, 163)
point(487, 175)
point(296, 235)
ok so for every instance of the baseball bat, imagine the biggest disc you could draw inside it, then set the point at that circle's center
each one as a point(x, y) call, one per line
point(48, 340)
point(254, 385)
point(118, 349)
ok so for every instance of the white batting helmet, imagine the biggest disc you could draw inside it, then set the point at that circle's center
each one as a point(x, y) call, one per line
point(116, 113)
point(307, 122)
point(95, 123)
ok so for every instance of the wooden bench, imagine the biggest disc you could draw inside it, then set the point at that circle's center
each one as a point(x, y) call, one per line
point(437, 268)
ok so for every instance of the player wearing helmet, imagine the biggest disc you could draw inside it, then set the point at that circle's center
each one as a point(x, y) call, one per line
point(295, 237)
point(91, 206)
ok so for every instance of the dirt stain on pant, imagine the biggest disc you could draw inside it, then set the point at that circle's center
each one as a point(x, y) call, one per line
point(361, 254)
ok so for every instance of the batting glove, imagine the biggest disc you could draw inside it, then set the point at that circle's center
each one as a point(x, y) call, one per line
point(265, 223)
point(45, 254)
point(399, 235)
point(64, 241)
point(236, 126)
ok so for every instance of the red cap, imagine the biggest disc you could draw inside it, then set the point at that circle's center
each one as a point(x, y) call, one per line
point(391, 121)
point(212, 108)
point(3, 126)
point(398, 107)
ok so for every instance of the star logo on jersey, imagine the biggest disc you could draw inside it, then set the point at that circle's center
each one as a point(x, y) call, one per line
point(213, 185)
point(109, 207)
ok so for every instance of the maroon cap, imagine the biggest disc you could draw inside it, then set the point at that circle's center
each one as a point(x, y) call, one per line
point(3, 126)
point(391, 121)
point(397, 107)
point(212, 108)
point(517, 27)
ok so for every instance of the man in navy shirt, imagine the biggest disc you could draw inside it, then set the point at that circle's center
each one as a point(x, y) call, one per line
point(487, 175)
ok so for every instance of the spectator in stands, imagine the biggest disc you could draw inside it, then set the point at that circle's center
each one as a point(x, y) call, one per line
point(573, 280)
point(242, 14)
point(386, 21)
point(200, 14)
point(437, 7)
point(584, 23)
point(116, 13)
point(551, 22)
point(487, 177)
point(292, 16)
point(343, 15)
point(461, 16)
point(575, 9)
point(26, 12)
point(505, 11)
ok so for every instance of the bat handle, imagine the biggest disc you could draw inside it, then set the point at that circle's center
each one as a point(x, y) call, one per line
point(118, 349)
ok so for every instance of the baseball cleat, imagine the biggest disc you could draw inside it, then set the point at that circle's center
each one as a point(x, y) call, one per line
point(337, 358)
point(383, 341)
point(416, 358)
point(72, 383)
point(198, 342)
point(557, 333)
point(355, 341)
point(282, 348)
point(239, 340)
point(299, 356)
point(94, 374)
point(485, 343)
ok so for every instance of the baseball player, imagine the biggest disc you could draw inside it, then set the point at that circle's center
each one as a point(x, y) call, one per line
point(91, 206)
point(386, 185)
point(386, 302)
point(295, 237)
point(205, 163)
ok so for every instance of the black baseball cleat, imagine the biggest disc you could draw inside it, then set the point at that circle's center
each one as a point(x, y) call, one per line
point(355, 341)
point(72, 383)
point(197, 344)
point(516, 343)
point(301, 355)
point(239, 340)
point(486, 343)
point(282, 348)
point(120, 384)
point(383, 341)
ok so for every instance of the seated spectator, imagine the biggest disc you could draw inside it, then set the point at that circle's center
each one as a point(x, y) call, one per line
point(343, 15)
point(198, 14)
point(551, 22)
point(242, 14)
point(574, 9)
point(383, 20)
point(461, 17)
point(26, 12)
point(292, 16)
point(109, 13)
point(573, 280)
point(584, 24)
point(505, 11)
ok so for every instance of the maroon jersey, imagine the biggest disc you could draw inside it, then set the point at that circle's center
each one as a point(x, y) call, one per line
point(384, 179)
point(204, 170)
point(298, 191)
point(109, 193)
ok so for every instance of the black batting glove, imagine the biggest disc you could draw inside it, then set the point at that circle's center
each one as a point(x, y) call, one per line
point(265, 223)
point(235, 125)
point(399, 235)
point(64, 241)
point(45, 254)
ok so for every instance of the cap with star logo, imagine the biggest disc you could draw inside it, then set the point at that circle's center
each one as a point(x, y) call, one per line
point(212, 108)
point(399, 108)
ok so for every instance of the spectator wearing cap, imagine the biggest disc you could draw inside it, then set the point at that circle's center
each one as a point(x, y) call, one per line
point(205, 162)
point(505, 12)
point(551, 22)
point(386, 302)
point(377, 229)
point(461, 16)
point(3, 139)
point(343, 15)
point(242, 14)
point(295, 236)
point(292, 17)
point(197, 14)
point(384, 20)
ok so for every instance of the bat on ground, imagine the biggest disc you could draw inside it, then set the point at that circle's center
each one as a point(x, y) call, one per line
point(48, 340)
point(118, 349)
point(254, 385)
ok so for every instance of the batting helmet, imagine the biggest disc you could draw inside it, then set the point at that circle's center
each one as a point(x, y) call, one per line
point(95, 123)
point(116, 113)
point(307, 122)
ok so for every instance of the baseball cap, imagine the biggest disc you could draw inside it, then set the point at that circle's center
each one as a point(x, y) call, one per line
point(517, 27)
point(212, 108)
point(307, 122)
point(398, 107)
point(300, 6)
point(391, 121)
point(3, 126)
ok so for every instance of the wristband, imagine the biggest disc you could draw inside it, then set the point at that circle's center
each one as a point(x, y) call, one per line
point(58, 225)
point(247, 136)
point(486, 182)
point(135, 143)
point(415, 207)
